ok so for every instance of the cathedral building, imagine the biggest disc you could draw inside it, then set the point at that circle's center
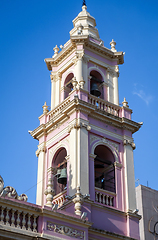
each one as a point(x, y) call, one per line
point(85, 183)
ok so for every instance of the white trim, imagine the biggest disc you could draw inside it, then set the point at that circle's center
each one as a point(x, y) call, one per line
point(106, 144)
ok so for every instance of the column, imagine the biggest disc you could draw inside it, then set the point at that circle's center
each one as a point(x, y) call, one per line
point(83, 159)
point(115, 82)
point(110, 86)
point(91, 177)
point(40, 153)
point(78, 66)
point(118, 184)
point(129, 176)
point(73, 160)
point(57, 90)
point(52, 92)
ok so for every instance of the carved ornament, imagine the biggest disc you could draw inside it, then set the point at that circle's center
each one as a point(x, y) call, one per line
point(11, 192)
point(104, 140)
point(41, 149)
point(128, 142)
point(71, 232)
point(79, 125)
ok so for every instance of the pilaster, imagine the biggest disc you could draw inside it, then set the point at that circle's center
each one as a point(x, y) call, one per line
point(40, 153)
point(129, 175)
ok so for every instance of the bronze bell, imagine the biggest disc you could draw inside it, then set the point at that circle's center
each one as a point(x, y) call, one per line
point(94, 89)
point(58, 173)
point(63, 176)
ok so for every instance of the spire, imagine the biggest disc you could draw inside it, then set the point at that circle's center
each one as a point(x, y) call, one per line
point(84, 3)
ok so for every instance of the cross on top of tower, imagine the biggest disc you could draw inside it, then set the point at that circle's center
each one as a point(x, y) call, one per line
point(84, 3)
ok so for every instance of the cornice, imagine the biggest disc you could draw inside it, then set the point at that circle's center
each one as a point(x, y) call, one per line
point(62, 217)
point(101, 50)
point(74, 41)
point(60, 56)
point(80, 105)
point(103, 233)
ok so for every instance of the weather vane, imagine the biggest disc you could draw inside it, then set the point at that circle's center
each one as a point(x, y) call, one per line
point(84, 3)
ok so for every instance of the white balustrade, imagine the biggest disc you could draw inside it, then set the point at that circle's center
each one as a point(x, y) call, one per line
point(59, 108)
point(59, 199)
point(18, 219)
point(104, 105)
point(104, 197)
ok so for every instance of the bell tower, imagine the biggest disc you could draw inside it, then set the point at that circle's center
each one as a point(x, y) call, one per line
point(85, 151)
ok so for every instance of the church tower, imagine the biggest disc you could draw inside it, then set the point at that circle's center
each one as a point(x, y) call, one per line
point(85, 151)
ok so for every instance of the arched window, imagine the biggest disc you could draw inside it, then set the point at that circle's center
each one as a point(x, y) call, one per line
point(68, 87)
point(96, 84)
point(104, 168)
point(60, 169)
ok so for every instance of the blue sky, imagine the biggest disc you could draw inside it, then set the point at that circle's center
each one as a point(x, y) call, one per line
point(29, 31)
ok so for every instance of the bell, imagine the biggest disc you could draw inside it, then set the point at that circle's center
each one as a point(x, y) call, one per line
point(63, 176)
point(94, 89)
point(58, 173)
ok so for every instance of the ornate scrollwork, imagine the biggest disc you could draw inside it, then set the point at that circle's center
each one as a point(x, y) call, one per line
point(1, 184)
point(65, 230)
point(128, 142)
point(11, 192)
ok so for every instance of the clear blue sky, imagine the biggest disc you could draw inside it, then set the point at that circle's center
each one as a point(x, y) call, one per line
point(29, 31)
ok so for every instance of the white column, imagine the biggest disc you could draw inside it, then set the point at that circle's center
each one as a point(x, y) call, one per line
point(110, 86)
point(115, 82)
point(78, 66)
point(57, 89)
point(85, 72)
point(83, 160)
point(73, 161)
point(52, 92)
point(40, 176)
point(129, 176)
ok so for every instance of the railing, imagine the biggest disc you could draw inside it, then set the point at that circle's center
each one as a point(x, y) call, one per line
point(60, 198)
point(18, 218)
point(104, 105)
point(105, 197)
point(59, 108)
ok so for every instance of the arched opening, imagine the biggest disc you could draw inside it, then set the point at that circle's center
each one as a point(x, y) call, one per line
point(68, 87)
point(96, 84)
point(60, 169)
point(104, 168)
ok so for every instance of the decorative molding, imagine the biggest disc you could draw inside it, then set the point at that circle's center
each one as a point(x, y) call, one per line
point(104, 140)
point(79, 125)
point(128, 142)
point(71, 232)
point(11, 192)
point(39, 150)
point(1, 184)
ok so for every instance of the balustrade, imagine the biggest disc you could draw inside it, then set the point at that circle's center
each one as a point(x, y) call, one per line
point(104, 105)
point(105, 198)
point(18, 219)
point(60, 199)
point(59, 108)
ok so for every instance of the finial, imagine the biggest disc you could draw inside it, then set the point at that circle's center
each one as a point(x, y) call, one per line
point(84, 3)
point(56, 50)
point(45, 108)
point(113, 44)
point(125, 103)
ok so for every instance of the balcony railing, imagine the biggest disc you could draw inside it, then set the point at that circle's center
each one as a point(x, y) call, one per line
point(104, 105)
point(60, 198)
point(105, 197)
point(24, 219)
point(58, 109)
